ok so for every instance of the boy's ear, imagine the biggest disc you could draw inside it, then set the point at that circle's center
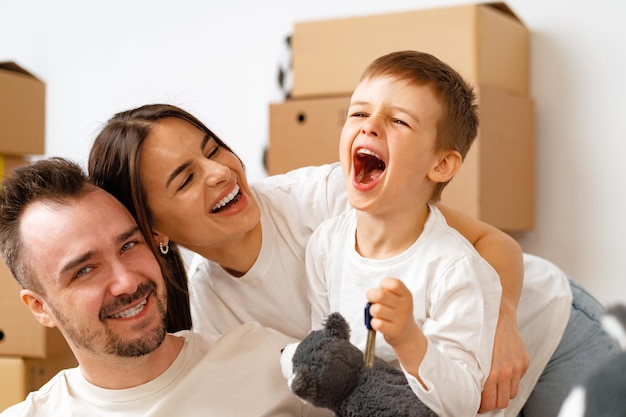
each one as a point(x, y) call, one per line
point(449, 164)
point(37, 306)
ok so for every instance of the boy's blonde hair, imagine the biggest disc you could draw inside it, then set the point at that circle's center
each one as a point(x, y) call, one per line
point(458, 126)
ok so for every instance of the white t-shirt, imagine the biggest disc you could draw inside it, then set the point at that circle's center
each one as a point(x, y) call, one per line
point(273, 291)
point(543, 311)
point(456, 300)
point(235, 375)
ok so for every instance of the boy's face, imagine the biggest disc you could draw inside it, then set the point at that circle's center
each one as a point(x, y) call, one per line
point(387, 145)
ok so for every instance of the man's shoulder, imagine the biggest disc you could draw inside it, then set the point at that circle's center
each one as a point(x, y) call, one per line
point(247, 334)
point(254, 334)
point(46, 400)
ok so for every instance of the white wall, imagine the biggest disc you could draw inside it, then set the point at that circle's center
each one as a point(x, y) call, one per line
point(218, 59)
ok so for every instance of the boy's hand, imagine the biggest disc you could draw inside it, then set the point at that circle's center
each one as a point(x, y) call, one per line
point(508, 365)
point(392, 315)
point(392, 310)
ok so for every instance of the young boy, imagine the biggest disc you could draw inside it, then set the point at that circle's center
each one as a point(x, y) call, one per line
point(410, 123)
point(433, 300)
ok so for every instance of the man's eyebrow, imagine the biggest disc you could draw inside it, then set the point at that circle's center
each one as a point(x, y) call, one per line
point(90, 254)
point(77, 261)
point(185, 164)
point(129, 233)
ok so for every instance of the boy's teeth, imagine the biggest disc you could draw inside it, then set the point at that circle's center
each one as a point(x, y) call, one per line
point(226, 199)
point(363, 151)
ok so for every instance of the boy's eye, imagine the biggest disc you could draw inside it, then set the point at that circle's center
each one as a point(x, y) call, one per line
point(400, 122)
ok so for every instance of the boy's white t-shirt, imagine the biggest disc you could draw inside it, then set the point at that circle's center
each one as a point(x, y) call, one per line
point(456, 301)
point(542, 314)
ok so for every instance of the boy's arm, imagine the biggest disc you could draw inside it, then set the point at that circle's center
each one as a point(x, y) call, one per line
point(510, 358)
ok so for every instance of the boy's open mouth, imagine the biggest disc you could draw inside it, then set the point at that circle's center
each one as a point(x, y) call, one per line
point(368, 166)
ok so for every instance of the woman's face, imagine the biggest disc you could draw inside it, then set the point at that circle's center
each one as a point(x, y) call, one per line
point(197, 191)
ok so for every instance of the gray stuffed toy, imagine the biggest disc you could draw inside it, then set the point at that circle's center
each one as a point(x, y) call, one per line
point(326, 370)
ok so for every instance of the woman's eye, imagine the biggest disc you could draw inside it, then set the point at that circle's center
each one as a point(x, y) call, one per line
point(186, 182)
point(213, 152)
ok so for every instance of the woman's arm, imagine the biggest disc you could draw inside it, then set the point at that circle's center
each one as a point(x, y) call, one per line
point(502, 252)
point(510, 358)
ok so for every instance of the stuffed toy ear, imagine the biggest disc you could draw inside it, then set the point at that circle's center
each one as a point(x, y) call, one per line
point(337, 326)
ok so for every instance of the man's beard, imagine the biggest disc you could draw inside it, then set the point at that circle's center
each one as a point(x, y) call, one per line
point(104, 341)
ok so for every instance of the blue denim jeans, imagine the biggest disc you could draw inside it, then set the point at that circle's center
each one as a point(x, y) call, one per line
point(583, 346)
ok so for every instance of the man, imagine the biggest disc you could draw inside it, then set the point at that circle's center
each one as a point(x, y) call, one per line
point(85, 268)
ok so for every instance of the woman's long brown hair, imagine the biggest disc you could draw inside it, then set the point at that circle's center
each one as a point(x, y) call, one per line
point(114, 166)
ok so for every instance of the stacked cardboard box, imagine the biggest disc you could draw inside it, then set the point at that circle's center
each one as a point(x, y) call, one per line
point(22, 111)
point(29, 352)
point(485, 42)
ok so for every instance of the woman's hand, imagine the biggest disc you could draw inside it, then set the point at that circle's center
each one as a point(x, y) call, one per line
point(508, 364)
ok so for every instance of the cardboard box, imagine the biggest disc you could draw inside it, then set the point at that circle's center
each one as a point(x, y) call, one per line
point(20, 333)
point(8, 163)
point(486, 43)
point(22, 111)
point(19, 376)
point(305, 132)
point(495, 183)
point(12, 381)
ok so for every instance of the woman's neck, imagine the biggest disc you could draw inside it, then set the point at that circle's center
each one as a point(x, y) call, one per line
point(239, 254)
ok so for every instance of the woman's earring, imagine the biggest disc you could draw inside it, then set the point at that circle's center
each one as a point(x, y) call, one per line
point(164, 250)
